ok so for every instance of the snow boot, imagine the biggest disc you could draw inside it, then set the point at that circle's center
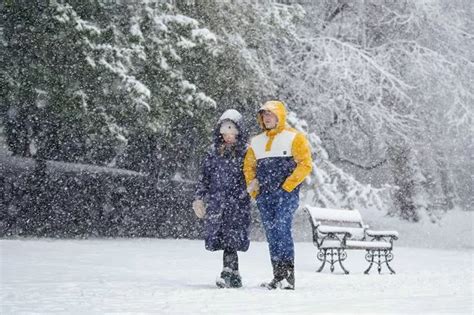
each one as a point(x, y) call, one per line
point(283, 276)
point(235, 279)
point(288, 283)
point(278, 276)
point(224, 280)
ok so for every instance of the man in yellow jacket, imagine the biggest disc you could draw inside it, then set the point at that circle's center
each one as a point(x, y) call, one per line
point(276, 163)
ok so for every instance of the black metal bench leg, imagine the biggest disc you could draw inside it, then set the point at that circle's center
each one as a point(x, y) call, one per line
point(370, 258)
point(332, 255)
point(379, 261)
point(341, 255)
point(332, 261)
point(322, 257)
point(388, 257)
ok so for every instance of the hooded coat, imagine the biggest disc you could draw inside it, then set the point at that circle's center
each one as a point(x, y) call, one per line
point(279, 158)
point(222, 187)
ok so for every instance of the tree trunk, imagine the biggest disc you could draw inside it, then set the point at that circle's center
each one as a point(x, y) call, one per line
point(403, 174)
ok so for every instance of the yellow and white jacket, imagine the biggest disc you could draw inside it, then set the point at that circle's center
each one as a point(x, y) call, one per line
point(277, 158)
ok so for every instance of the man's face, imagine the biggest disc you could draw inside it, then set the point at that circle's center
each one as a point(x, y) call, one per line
point(270, 120)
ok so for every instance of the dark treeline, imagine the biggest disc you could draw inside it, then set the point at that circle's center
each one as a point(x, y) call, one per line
point(52, 199)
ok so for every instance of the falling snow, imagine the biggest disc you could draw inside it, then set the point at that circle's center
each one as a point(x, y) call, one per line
point(107, 109)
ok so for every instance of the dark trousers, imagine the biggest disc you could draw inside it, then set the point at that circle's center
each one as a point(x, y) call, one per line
point(231, 259)
point(276, 210)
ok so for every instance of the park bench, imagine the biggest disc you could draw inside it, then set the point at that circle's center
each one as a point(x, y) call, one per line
point(336, 231)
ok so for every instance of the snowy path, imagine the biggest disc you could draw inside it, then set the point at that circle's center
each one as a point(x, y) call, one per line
point(177, 276)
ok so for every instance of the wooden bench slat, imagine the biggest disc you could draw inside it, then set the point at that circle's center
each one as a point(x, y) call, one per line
point(367, 244)
point(331, 244)
point(355, 232)
point(318, 214)
point(382, 233)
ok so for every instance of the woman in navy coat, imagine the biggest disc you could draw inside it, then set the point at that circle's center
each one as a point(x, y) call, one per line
point(221, 198)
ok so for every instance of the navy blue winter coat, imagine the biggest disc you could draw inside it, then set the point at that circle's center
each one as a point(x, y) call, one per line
point(223, 189)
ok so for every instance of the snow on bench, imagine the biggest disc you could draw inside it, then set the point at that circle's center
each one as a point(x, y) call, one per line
point(337, 230)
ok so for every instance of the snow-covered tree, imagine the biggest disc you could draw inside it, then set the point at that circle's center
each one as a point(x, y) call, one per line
point(60, 97)
point(106, 84)
point(366, 76)
point(179, 112)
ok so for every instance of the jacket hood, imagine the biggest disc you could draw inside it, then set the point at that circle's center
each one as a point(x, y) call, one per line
point(278, 108)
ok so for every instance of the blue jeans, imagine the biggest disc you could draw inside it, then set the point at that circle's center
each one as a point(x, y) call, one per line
point(277, 210)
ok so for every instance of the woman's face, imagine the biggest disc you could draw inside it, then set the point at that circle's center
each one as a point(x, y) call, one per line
point(229, 138)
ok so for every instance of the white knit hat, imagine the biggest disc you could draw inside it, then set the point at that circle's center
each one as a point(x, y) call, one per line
point(231, 114)
point(228, 127)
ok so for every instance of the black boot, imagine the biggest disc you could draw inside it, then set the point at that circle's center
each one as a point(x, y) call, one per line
point(235, 279)
point(278, 276)
point(283, 276)
point(230, 276)
point(224, 280)
point(289, 284)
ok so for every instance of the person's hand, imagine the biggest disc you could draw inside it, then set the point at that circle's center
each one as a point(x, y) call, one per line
point(199, 208)
point(253, 188)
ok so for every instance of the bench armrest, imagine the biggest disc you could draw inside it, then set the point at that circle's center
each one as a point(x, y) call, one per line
point(373, 233)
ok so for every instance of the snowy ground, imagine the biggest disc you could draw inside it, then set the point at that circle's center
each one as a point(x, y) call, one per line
point(177, 276)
